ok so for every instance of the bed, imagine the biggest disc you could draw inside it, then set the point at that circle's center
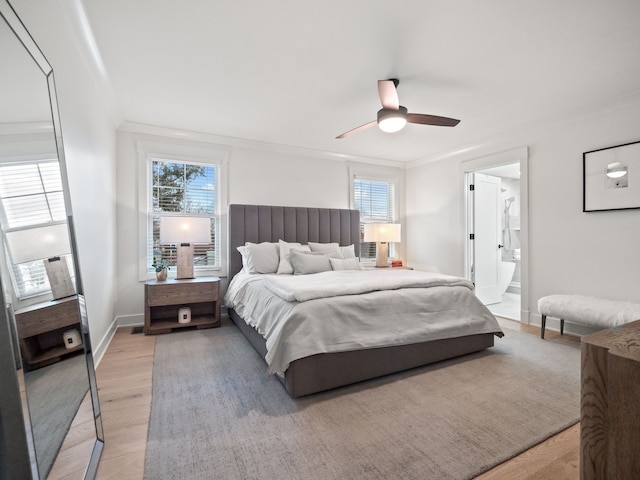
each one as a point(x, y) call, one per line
point(335, 366)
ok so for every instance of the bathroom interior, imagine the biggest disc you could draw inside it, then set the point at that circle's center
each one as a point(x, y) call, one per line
point(510, 267)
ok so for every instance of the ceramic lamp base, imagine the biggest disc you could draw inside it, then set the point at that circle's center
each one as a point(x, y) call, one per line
point(185, 261)
point(382, 254)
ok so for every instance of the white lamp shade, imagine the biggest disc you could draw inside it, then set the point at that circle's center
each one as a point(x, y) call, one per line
point(185, 230)
point(38, 243)
point(382, 232)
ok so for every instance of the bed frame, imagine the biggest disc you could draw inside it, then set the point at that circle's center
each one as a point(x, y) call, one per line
point(260, 223)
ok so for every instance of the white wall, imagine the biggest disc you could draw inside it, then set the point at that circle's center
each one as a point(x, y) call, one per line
point(89, 141)
point(570, 251)
point(258, 173)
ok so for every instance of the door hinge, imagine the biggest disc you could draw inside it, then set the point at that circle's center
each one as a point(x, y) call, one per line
point(472, 187)
point(472, 236)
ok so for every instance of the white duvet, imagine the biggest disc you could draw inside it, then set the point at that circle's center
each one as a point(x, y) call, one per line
point(337, 311)
point(301, 288)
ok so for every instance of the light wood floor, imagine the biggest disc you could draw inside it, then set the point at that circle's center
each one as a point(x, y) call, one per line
point(124, 383)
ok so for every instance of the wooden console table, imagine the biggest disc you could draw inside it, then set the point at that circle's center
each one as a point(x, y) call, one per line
point(40, 330)
point(163, 299)
point(610, 404)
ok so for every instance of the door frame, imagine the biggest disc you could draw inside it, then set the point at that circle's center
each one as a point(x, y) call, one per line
point(516, 155)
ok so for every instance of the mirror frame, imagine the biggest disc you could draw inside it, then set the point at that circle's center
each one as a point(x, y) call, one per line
point(14, 434)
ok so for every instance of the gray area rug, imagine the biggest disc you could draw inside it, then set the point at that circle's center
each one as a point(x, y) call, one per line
point(216, 414)
point(54, 394)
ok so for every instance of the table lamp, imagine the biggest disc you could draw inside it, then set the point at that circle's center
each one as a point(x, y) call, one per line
point(48, 243)
point(184, 232)
point(382, 234)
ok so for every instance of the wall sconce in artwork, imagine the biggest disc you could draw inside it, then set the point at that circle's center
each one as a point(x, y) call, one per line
point(611, 178)
point(617, 175)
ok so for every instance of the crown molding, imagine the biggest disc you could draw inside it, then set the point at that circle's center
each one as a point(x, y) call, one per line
point(175, 133)
point(26, 128)
point(485, 146)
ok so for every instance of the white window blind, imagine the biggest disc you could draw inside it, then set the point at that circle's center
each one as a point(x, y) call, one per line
point(180, 188)
point(31, 196)
point(375, 201)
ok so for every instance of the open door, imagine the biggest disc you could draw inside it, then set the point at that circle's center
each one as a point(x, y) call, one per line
point(486, 225)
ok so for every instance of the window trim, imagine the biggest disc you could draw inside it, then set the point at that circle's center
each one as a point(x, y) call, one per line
point(216, 155)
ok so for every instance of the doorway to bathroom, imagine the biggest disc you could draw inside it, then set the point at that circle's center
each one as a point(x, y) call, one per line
point(494, 257)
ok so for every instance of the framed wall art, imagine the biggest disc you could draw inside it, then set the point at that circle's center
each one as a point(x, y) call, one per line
point(611, 178)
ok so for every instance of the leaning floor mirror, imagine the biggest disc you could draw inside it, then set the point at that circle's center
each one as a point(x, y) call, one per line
point(50, 424)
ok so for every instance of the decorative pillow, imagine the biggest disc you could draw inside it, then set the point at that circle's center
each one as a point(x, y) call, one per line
point(260, 257)
point(285, 267)
point(332, 249)
point(305, 263)
point(245, 254)
point(348, 252)
point(345, 264)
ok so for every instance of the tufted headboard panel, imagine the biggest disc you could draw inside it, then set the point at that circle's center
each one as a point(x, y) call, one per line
point(263, 223)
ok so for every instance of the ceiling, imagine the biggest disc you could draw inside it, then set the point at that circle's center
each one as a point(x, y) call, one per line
point(300, 73)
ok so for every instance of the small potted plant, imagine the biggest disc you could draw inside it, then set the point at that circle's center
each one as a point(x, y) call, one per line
point(161, 268)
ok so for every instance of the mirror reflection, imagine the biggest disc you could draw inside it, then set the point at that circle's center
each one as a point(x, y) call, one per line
point(37, 265)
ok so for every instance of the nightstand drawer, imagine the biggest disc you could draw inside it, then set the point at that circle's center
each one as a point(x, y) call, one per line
point(46, 317)
point(176, 293)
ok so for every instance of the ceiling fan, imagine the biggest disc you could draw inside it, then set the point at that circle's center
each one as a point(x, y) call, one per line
point(392, 117)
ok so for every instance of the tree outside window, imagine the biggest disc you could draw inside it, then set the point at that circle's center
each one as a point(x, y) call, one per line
point(184, 189)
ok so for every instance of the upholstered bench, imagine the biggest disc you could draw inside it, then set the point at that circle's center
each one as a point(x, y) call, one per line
point(589, 311)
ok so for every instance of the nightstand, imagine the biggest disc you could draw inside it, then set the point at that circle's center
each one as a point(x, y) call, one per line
point(41, 330)
point(163, 299)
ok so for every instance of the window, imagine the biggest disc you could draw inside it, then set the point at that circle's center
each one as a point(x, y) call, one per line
point(183, 188)
point(31, 196)
point(375, 199)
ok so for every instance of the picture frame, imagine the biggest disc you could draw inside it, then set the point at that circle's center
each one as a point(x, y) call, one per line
point(611, 178)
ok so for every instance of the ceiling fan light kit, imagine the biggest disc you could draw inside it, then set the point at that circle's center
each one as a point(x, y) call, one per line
point(393, 116)
point(390, 120)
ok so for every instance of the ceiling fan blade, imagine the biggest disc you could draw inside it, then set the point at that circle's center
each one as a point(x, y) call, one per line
point(358, 129)
point(388, 94)
point(432, 120)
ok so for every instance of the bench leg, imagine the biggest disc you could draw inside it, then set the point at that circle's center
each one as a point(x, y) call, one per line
point(544, 322)
point(562, 326)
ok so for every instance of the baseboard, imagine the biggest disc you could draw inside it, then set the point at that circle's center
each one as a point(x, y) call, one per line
point(134, 320)
point(100, 349)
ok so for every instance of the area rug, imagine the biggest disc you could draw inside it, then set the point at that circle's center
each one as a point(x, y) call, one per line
point(216, 414)
point(54, 394)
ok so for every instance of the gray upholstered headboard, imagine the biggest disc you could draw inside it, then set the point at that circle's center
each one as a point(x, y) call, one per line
point(262, 223)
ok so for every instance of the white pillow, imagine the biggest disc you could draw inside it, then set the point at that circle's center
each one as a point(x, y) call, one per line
point(332, 249)
point(285, 267)
point(305, 263)
point(260, 257)
point(348, 252)
point(244, 254)
point(345, 264)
